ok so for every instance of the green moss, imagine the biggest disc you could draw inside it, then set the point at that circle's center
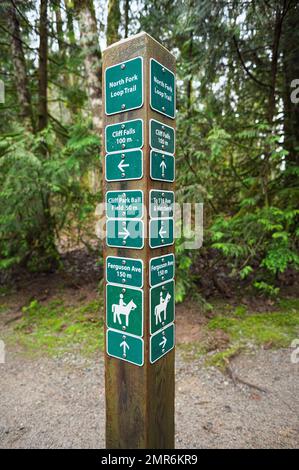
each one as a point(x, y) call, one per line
point(192, 350)
point(55, 328)
point(289, 304)
point(275, 328)
point(221, 358)
point(240, 311)
point(3, 308)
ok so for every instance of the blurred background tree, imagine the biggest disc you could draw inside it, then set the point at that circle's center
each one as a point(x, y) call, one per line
point(237, 140)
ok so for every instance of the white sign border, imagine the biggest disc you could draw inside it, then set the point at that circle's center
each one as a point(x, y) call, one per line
point(174, 91)
point(125, 246)
point(150, 306)
point(150, 205)
point(166, 352)
point(150, 136)
point(142, 86)
point(119, 124)
point(125, 191)
point(142, 304)
point(125, 258)
point(163, 244)
point(151, 166)
point(160, 257)
point(122, 358)
point(123, 179)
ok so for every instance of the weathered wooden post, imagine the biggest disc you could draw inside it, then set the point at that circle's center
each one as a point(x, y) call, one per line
point(139, 148)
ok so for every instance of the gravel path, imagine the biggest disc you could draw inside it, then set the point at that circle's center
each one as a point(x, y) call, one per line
point(59, 403)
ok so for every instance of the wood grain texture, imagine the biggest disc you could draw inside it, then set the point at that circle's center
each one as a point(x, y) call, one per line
point(139, 400)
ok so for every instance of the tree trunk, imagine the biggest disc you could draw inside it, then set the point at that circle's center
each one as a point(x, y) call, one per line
point(92, 58)
point(59, 23)
point(291, 108)
point(113, 22)
point(43, 67)
point(279, 16)
point(69, 20)
point(19, 65)
point(127, 9)
point(92, 64)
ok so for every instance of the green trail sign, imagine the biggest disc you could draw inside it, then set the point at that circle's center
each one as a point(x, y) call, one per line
point(125, 233)
point(162, 137)
point(162, 301)
point(161, 203)
point(161, 269)
point(161, 343)
point(161, 232)
point(126, 135)
point(124, 204)
point(124, 86)
point(162, 166)
point(162, 89)
point(124, 309)
point(124, 166)
point(126, 347)
point(126, 271)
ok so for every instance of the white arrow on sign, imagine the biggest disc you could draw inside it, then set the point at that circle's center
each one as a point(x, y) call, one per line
point(125, 346)
point(122, 165)
point(163, 166)
point(125, 233)
point(163, 342)
point(162, 232)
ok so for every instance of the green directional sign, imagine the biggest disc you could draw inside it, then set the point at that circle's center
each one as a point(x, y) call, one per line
point(124, 309)
point(162, 89)
point(126, 271)
point(124, 204)
point(126, 347)
point(162, 137)
point(161, 232)
point(162, 342)
point(162, 166)
point(161, 269)
point(162, 301)
point(126, 135)
point(124, 86)
point(125, 233)
point(161, 203)
point(127, 165)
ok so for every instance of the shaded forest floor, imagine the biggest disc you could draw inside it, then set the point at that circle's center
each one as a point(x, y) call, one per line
point(236, 384)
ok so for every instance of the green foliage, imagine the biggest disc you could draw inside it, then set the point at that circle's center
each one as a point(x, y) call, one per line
point(42, 186)
point(264, 236)
point(183, 263)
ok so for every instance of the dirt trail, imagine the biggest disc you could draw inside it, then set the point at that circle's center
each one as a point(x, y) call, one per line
point(59, 403)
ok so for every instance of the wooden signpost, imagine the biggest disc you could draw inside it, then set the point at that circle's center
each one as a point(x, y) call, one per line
point(139, 169)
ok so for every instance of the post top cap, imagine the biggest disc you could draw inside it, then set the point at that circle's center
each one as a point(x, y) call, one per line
point(130, 38)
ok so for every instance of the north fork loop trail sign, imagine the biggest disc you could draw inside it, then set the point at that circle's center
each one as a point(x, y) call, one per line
point(139, 170)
